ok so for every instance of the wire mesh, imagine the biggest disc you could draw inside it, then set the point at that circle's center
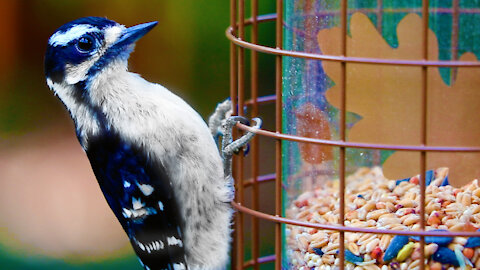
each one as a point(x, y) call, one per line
point(236, 34)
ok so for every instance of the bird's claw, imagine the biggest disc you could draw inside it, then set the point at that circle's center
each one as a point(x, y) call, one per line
point(229, 146)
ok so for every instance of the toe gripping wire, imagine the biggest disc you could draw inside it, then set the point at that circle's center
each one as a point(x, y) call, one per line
point(229, 146)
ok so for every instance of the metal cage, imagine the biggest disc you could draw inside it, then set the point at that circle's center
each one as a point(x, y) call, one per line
point(238, 46)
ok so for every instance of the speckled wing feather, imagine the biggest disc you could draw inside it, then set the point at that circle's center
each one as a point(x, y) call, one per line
point(139, 189)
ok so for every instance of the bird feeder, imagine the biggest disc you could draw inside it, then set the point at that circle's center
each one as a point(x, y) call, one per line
point(377, 137)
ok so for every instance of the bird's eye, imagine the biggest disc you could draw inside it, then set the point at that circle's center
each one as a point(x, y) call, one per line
point(85, 44)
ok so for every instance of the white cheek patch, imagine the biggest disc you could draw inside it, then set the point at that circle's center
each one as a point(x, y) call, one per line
point(63, 38)
point(77, 73)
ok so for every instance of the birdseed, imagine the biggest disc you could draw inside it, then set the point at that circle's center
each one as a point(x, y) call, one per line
point(372, 201)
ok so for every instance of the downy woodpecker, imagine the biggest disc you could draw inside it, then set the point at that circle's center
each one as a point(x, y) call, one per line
point(154, 157)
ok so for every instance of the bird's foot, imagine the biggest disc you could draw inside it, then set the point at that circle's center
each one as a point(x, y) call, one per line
point(229, 146)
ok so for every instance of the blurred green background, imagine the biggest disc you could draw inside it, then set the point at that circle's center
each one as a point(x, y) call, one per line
point(52, 213)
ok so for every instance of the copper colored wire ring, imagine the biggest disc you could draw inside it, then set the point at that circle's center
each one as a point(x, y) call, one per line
point(339, 58)
point(296, 138)
point(261, 100)
point(284, 220)
point(259, 179)
point(261, 260)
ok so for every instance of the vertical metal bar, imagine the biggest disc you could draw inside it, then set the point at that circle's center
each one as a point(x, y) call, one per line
point(423, 155)
point(343, 108)
point(233, 57)
point(241, 57)
point(379, 15)
point(454, 46)
point(254, 142)
point(241, 98)
point(278, 129)
point(233, 97)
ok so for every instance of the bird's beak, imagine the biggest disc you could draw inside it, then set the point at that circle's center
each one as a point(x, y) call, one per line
point(132, 34)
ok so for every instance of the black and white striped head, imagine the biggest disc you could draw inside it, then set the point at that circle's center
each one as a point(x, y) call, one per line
point(80, 49)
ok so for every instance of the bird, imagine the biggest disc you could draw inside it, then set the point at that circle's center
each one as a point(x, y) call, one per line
point(153, 155)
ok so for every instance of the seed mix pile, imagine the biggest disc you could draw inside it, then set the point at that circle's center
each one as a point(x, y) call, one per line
point(373, 201)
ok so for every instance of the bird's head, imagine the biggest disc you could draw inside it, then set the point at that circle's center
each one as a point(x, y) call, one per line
point(80, 49)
